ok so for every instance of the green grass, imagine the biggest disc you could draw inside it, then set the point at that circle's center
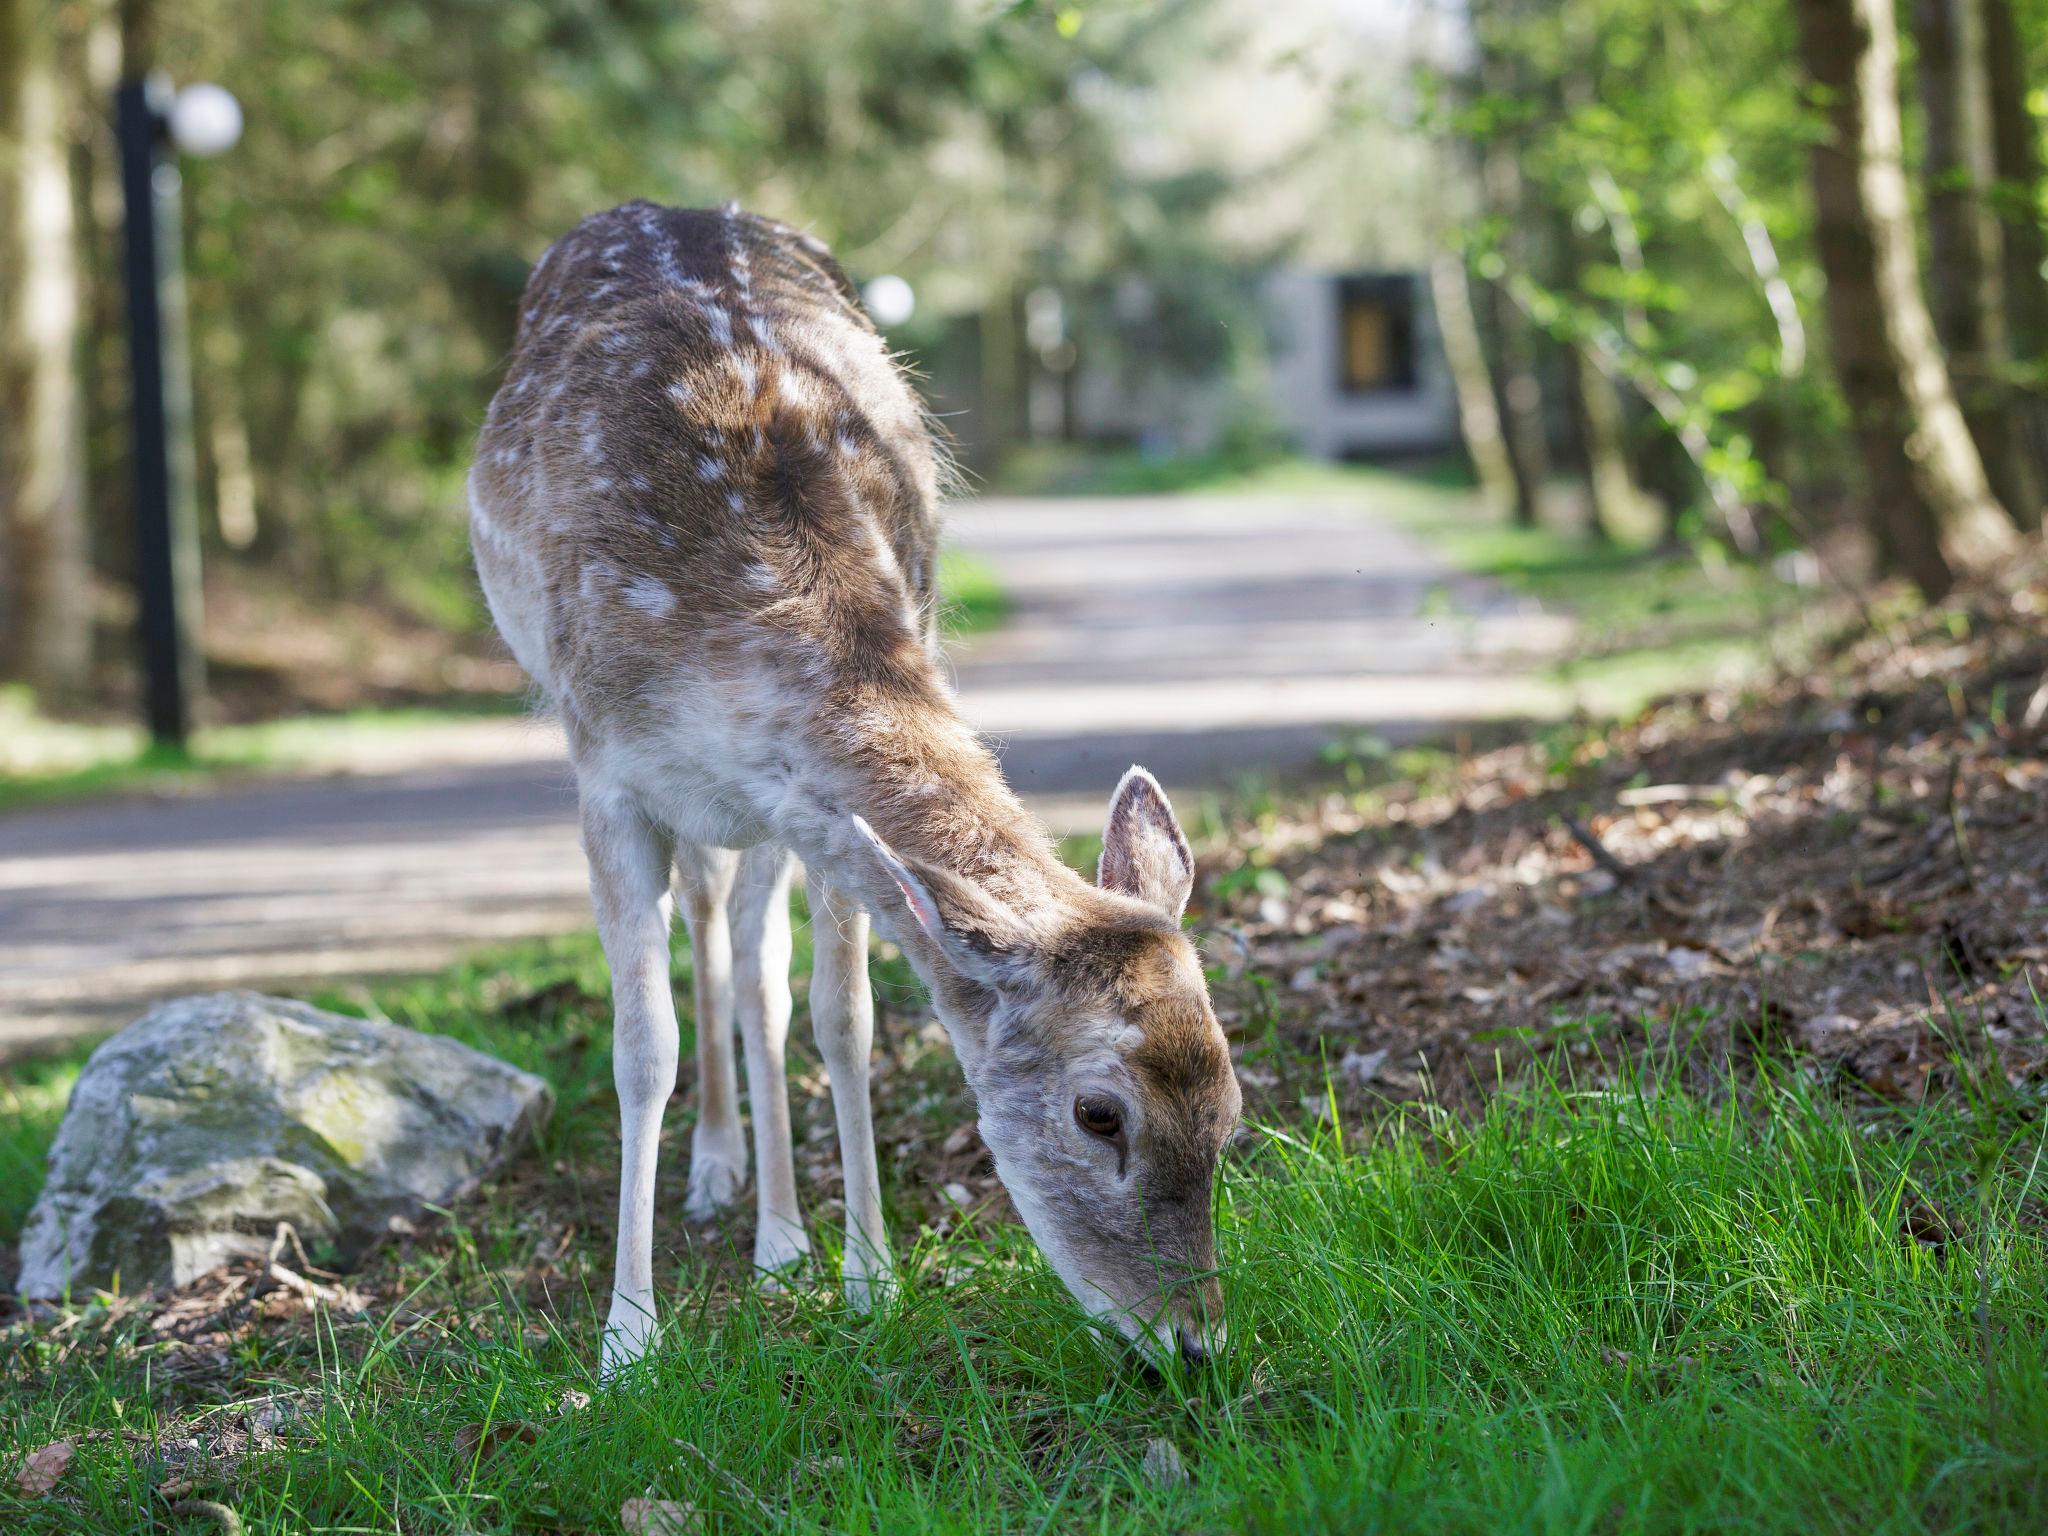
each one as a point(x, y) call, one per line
point(971, 595)
point(1613, 1309)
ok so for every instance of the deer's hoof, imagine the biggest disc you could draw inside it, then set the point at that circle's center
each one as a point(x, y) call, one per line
point(717, 1175)
point(778, 1249)
point(628, 1331)
point(867, 1281)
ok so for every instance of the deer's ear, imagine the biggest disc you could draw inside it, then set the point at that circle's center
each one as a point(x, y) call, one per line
point(1144, 852)
point(975, 936)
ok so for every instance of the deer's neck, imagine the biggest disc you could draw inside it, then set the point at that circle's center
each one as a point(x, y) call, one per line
point(899, 755)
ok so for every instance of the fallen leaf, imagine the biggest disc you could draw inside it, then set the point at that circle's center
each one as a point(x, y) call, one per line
point(1162, 1466)
point(41, 1469)
point(659, 1517)
point(1361, 1067)
point(491, 1439)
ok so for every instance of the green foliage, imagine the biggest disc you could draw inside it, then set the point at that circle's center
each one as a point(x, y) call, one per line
point(1665, 220)
point(355, 263)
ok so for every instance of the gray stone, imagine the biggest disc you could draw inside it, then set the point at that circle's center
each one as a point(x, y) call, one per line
point(197, 1129)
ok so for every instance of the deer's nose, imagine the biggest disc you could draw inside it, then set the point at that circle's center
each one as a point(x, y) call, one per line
point(1194, 1349)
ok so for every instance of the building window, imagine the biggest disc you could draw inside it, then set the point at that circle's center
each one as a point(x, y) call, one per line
point(1375, 334)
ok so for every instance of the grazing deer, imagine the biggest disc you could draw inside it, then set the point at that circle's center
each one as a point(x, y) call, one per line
point(704, 509)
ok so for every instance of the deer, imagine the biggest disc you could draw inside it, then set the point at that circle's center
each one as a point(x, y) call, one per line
point(704, 510)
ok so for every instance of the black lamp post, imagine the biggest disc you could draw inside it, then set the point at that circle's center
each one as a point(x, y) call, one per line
point(153, 123)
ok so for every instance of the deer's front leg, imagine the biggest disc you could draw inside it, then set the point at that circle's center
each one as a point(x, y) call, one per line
point(843, 1018)
point(629, 887)
point(718, 1146)
point(760, 930)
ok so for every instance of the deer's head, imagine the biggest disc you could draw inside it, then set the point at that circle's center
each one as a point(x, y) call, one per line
point(1103, 1080)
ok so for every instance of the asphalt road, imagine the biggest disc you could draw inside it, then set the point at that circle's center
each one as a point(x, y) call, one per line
point(1206, 638)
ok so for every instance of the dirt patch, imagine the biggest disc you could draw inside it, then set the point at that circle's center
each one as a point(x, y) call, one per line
point(1848, 866)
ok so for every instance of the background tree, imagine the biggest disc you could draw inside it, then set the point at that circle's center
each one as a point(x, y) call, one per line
point(1965, 274)
point(1933, 509)
point(45, 628)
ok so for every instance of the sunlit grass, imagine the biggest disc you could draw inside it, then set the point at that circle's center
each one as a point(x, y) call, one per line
point(1616, 1308)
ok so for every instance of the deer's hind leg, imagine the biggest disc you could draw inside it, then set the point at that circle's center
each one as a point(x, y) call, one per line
point(718, 1146)
point(629, 888)
point(761, 948)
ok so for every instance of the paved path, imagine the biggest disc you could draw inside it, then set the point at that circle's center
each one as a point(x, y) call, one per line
point(1202, 637)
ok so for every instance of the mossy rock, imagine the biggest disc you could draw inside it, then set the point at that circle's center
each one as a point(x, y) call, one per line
point(197, 1129)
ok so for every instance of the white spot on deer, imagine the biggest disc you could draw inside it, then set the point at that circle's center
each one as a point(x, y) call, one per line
point(593, 443)
point(735, 502)
point(640, 482)
point(601, 483)
point(616, 342)
point(847, 446)
point(758, 324)
point(750, 375)
point(885, 554)
point(709, 469)
point(650, 596)
point(759, 575)
point(720, 323)
point(596, 576)
point(680, 393)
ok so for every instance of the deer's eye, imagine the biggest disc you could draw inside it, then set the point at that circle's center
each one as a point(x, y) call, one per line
point(1099, 1116)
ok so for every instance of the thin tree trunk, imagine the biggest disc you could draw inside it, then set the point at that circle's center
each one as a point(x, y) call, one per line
point(1478, 418)
point(1934, 512)
point(1603, 431)
point(1518, 395)
point(2023, 248)
point(1965, 286)
point(46, 635)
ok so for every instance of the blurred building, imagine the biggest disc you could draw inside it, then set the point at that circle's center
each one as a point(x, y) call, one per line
point(1355, 366)
point(1349, 367)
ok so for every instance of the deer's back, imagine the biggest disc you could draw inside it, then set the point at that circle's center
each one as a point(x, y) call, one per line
point(702, 459)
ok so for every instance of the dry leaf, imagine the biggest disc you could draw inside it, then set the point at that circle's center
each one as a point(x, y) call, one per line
point(494, 1438)
point(659, 1517)
point(39, 1472)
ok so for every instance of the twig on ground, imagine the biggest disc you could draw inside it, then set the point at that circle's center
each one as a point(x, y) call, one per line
point(744, 1495)
point(2036, 712)
point(1955, 824)
point(1585, 838)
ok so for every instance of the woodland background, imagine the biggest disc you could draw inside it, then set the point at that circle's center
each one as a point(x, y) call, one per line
point(1766, 275)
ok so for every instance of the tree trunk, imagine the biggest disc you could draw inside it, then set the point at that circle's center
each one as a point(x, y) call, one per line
point(1933, 510)
point(46, 631)
point(1478, 418)
point(1518, 395)
point(2023, 249)
point(1965, 286)
point(1603, 431)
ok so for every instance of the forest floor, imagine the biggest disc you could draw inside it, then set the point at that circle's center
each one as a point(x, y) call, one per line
point(1644, 1132)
